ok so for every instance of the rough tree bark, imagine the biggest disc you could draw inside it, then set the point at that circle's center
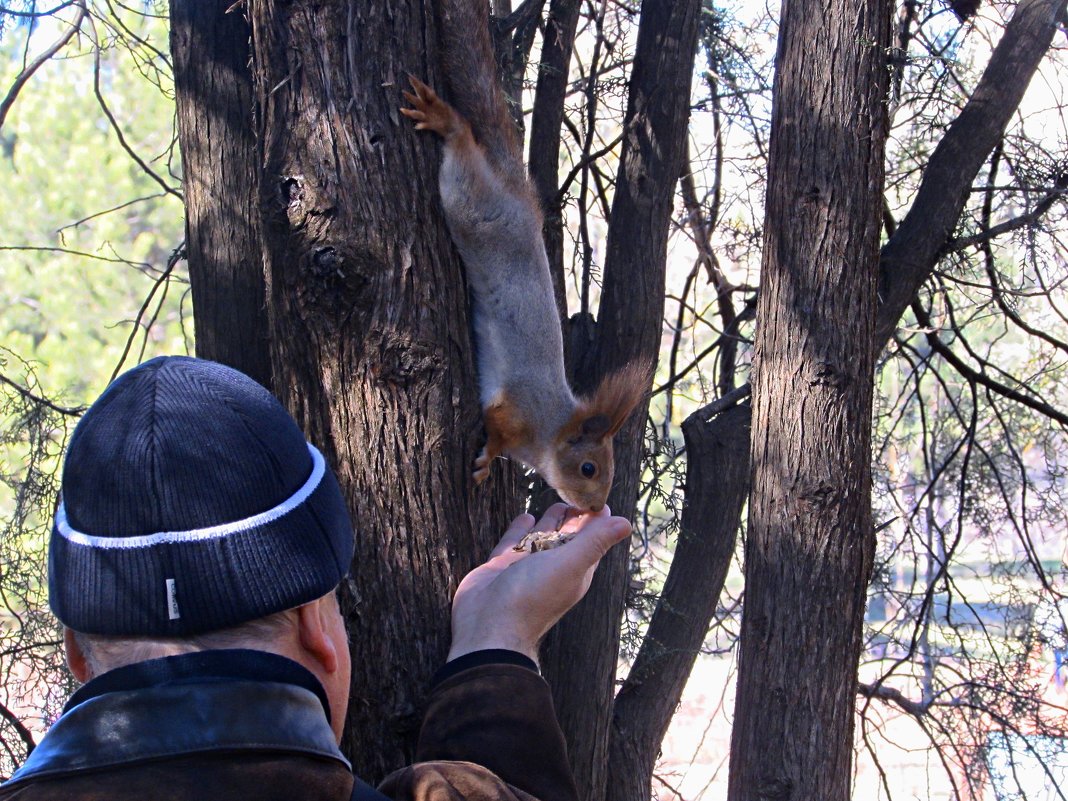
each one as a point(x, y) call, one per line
point(369, 336)
point(213, 89)
point(810, 540)
point(628, 327)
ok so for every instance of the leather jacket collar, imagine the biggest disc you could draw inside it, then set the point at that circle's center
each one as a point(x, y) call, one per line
point(178, 705)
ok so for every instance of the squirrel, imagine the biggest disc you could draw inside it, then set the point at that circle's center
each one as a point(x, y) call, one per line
point(529, 411)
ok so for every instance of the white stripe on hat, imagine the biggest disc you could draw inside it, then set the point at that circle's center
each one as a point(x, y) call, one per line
point(197, 534)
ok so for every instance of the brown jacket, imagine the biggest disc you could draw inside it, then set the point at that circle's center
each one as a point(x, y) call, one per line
point(499, 717)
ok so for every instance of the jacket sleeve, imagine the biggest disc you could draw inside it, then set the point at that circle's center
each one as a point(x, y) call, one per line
point(502, 718)
point(448, 781)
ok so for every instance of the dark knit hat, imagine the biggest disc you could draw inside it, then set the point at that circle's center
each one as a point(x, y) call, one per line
point(191, 502)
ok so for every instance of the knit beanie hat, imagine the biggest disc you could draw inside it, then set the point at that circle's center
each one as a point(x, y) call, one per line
point(190, 503)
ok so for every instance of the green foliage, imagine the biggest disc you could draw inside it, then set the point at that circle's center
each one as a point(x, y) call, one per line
point(72, 313)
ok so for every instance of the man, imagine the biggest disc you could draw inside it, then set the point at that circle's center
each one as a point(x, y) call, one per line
point(193, 563)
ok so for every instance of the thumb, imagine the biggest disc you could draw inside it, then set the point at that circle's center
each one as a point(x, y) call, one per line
point(598, 536)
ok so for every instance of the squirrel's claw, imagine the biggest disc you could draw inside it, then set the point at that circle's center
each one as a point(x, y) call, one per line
point(482, 464)
point(430, 112)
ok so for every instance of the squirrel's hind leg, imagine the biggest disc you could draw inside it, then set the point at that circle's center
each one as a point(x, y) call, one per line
point(505, 430)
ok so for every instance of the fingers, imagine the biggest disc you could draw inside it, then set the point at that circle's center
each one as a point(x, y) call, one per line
point(576, 520)
point(423, 95)
point(600, 531)
point(553, 517)
point(420, 88)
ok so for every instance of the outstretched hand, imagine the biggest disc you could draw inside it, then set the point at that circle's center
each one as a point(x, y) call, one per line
point(513, 599)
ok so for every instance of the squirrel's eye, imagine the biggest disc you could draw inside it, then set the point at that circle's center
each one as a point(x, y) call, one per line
point(589, 469)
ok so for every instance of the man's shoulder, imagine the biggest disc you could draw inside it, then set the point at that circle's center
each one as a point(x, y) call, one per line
point(234, 777)
point(177, 736)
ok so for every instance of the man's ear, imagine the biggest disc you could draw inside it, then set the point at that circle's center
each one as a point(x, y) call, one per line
point(314, 632)
point(76, 659)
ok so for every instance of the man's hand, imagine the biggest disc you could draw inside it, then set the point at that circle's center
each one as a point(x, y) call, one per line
point(515, 597)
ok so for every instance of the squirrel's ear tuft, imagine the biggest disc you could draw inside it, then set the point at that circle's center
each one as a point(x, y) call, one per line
point(596, 427)
point(615, 398)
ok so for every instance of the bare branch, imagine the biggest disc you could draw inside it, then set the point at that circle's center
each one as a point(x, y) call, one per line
point(911, 253)
point(118, 129)
point(20, 729)
point(37, 63)
point(163, 280)
point(73, 411)
point(915, 708)
point(943, 350)
point(36, 14)
point(121, 206)
point(1015, 224)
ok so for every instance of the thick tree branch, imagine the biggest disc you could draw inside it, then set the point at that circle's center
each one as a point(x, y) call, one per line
point(910, 255)
point(628, 328)
point(558, 39)
point(915, 708)
point(717, 483)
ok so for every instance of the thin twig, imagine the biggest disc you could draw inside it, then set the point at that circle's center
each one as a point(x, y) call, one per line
point(121, 206)
point(38, 62)
point(70, 252)
point(164, 277)
point(73, 411)
point(943, 350)
point(118, 129)
point(24, 734)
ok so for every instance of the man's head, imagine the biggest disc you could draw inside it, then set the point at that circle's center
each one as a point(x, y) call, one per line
point(192, 505)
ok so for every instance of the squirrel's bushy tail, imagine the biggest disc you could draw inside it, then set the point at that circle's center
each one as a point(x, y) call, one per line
point(475, 88)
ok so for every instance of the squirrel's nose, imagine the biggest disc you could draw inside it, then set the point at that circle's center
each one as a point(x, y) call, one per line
point(597, 507)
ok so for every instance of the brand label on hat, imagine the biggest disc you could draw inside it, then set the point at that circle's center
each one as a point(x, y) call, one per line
point(172, 601)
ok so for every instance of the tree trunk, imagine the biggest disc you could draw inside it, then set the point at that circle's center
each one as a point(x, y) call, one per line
point(369, 337)
point(213, 90)
point(628, 328)
point(716, 487)
point(810, 540)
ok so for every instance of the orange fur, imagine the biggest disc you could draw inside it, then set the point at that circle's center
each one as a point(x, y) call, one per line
point(614, 399)
point(505, 429)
